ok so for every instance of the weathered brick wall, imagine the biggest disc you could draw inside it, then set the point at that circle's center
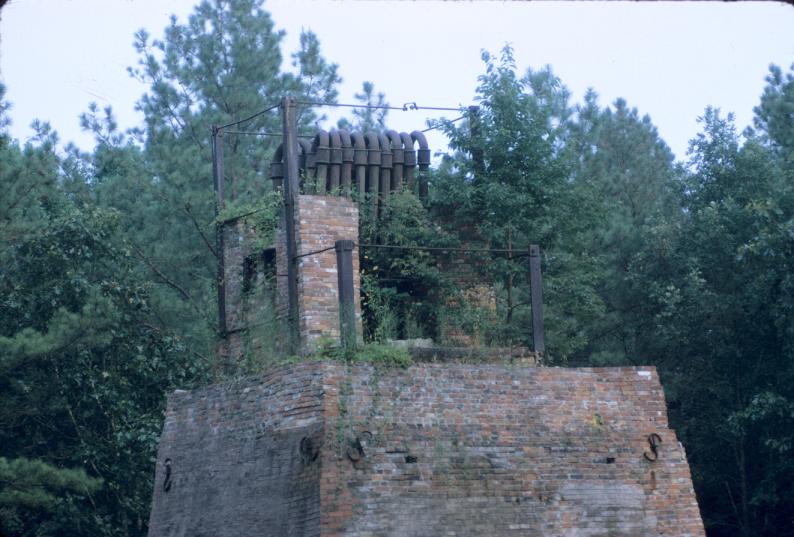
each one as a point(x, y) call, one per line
point(463, 450)
point(321, 220)
point(237, 468)
point(252, 325)
point(487, 450)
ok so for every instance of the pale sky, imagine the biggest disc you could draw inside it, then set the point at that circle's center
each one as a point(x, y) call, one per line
point(670, 60)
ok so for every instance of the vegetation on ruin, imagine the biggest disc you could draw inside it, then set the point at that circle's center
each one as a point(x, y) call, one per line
point(108, 265)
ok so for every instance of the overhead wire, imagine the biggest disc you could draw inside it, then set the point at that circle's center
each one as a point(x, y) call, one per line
point(520, 252)
point(517, 253)
point(260, 133)
point(405, 107)
point(315, 252)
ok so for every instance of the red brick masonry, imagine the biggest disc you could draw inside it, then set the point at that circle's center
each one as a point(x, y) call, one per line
point(326, 449)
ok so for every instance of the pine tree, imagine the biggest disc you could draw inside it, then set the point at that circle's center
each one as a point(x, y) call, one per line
point(628, 170)
point(85, 364)
point(222, 65)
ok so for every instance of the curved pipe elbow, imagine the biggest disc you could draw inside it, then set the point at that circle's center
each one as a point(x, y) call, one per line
point(277, 162)
point(398, 156)
point(321, 148)
point(277, 167)
point(304, 153)
point(423, 155)
point(409, 155)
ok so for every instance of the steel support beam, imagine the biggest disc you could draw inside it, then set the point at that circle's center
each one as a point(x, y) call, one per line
point(217, 179)
point(347, 306)
point(290, 144)
point(536, 295)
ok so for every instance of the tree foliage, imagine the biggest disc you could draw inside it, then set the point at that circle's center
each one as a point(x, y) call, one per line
point(509, 185)
point(85, 365)
point(108, 264)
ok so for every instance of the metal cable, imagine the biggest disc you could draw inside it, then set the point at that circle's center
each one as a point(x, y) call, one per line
point(233, 123)
point(443, 249)
point(406, 107)
point(520, 253)
point(260, 133)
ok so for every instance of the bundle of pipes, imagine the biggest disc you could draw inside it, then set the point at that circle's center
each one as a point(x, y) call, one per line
point(341, 163)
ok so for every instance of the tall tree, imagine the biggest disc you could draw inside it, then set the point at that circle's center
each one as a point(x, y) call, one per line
point(628, 170)
point(720, 293)
point(84, 368)
point(509, 185)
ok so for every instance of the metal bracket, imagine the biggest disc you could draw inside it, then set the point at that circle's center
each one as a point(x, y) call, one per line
point(167, 480)
point(653, 441)
point(355, 451)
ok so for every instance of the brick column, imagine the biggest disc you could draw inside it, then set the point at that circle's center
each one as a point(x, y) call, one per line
point(320, 221)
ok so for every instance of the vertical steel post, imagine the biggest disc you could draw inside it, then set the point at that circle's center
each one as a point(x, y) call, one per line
point(347, 307)
point(475, 132)
point(290, 144)
point(217, 178)
point(536, 295)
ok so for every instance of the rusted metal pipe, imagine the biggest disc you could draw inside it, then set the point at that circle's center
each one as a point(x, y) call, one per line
point(336, 162)
point(398, 158)
point(423, 159)
point(385, 169)
point(321, 150)
point(373, 170)
point(360, 162)
point(305, 159)
point(347, 161)
point(277, 168)
point(409, 159)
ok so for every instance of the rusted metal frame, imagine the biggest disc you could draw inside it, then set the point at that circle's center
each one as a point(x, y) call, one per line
point(347, 307)
point(290, 144)
point(217, 179)
point(536, 299)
